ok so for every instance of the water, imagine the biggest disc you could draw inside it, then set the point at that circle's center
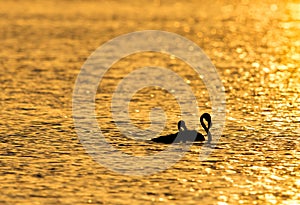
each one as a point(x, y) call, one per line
point(255, 48)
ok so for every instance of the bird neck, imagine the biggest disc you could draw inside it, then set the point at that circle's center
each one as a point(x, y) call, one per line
point(204, 125)
point(181, 126)
point(209, 138)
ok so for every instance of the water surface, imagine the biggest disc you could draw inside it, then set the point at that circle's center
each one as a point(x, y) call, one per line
point(255, 48)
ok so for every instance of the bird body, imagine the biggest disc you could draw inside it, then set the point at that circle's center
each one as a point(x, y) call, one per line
point(168, 139)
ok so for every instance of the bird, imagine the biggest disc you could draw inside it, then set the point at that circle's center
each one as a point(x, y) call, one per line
point(168, 139)
point(185, 135)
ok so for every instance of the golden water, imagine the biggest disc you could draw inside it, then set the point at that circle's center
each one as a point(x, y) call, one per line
point(255, 48)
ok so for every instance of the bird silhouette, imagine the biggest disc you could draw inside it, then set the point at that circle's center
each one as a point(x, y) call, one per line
point(185, 135)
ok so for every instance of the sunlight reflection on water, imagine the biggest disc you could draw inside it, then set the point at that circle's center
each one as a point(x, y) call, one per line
point(255, 47)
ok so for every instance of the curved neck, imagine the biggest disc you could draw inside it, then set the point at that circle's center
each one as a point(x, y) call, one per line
point(207, 117)
point(181, 126)
point(204, 125)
